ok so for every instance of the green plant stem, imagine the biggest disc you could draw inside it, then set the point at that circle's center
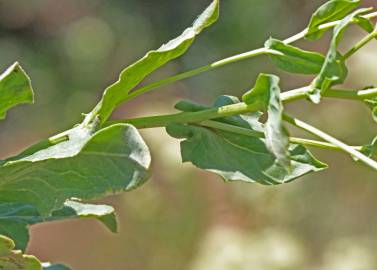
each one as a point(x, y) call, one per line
point(236, 109)
point(229, 60)
point(360, 44)
point(252, 133)
point(324, 136)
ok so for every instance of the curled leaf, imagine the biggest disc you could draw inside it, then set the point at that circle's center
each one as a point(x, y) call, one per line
point(135, 73)
point(15, 89)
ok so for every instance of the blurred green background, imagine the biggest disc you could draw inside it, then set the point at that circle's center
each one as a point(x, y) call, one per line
point(184, 218)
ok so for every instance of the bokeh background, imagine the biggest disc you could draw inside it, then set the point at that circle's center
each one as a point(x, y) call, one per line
point(184, 218)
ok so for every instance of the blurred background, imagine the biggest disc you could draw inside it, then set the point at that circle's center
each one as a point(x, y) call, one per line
point(184, 218)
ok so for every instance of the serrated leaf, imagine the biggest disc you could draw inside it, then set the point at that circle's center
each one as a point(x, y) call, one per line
point(293, 59)
point(334, 70)
point(238, 157)
point(15, 218)
point(15, 89)
point(87, 166)
point(266, 93)
point(11, 259)
point(135, 73)
point(330, 11)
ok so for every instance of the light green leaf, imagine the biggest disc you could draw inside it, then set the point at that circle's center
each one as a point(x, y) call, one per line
point(135, 73)
point(330, 11)
point(333, 70)
point(11, 259)
point(239, 157)
point(15, 89)
point(89, 165)
point(293, 59)
point(15, 218)
point(266, 93)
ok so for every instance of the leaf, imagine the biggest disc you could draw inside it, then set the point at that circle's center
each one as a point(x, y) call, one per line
point(89, 165)
point(266, 92)
point(330, 11)
point(135, 73)
point(238, 157)
point(15, 89)
point(293, 59)
point(370, 150)
point(14, 260)
point(333, 70)
point(16, 218)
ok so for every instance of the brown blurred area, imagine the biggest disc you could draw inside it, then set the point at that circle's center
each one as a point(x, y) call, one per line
point(184, 218)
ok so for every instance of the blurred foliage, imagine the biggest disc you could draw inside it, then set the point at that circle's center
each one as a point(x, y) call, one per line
point(182, 218)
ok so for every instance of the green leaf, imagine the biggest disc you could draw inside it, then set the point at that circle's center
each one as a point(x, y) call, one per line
point(266, 93)
point(15, 89)
point(333, 70)
point(293, 59)
point(11, 259)
point(370, 150)
point(240, 157)
point(16, 218)
point(331, 11)
point(135, 73)
point(89, 165)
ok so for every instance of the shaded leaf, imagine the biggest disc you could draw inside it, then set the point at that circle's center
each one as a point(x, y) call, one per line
point(15, 89)
point(15, 218)
point(293, 59)
point(240, 157)
point(266, 93)
point(11, 259)
point(333, 70)
point(330, 11)
point(135, 73)
point(89, 165)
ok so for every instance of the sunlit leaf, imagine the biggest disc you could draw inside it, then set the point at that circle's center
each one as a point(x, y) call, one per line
point(135, 73)
point(89, 165)
point(15, 89)
point(330, 11)
point(11, 259)
point(293, 59)
point(240, 157)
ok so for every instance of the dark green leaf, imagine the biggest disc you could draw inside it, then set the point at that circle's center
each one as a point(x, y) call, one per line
point(331, 11)
point(135, 73)
point(333, 70)
point(266, 93)
point(11, 259)
point(87, 166)
point(15, 218)
point(240, 157)
point(15, 89)
point(293, 59)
